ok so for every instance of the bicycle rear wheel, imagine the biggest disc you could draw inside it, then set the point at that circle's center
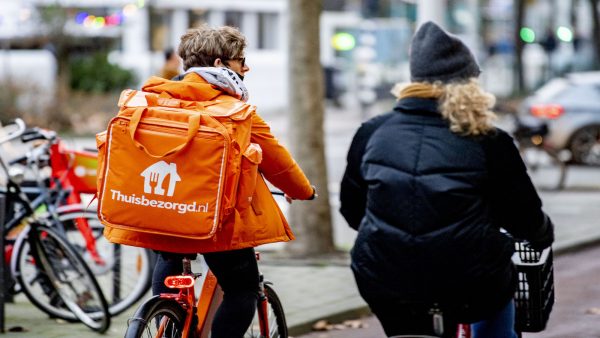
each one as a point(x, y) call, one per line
point(157, 317)
point(274, 314)
point(124, 272)
point(544, 167)
point(55, 278)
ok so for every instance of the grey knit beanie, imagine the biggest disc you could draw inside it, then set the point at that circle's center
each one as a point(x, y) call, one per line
point(436, 55)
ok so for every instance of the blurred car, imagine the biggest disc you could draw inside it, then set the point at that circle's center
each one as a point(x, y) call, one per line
point(570, 106)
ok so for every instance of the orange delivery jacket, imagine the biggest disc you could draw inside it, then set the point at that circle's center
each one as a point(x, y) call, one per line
point(263, 222)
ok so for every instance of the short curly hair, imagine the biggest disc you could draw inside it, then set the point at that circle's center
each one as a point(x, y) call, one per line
point(201, 46)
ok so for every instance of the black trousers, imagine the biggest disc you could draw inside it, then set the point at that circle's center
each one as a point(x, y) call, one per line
point(399, 317)
point(237, 273)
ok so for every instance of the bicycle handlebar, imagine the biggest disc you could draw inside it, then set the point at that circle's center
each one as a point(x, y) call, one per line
point(11, 136)
point(33, 134)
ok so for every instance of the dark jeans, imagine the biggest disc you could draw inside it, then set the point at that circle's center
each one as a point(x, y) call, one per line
point(501, 325)
point(237, 273)
point(398, 317)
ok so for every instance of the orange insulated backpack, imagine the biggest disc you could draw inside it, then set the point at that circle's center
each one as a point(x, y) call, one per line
point(175, 167)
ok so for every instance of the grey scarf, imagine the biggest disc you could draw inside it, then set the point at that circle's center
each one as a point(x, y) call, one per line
point(224, 78)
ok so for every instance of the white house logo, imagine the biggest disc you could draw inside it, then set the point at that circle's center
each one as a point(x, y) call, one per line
point(154, 181)
point(156, 174)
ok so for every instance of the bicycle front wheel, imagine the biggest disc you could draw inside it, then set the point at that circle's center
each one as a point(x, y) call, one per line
point(273, 315)
point(157, 317)
point(54, 277)
point(124, 273)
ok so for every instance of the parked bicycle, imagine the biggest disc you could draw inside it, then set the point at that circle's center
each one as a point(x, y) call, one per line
point(43, 256)
point(181, 315)
point(124, 272)
point(544, 163)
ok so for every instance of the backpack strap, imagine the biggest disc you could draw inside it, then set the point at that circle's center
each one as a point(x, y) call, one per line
point(193, 127)
point(129, 96)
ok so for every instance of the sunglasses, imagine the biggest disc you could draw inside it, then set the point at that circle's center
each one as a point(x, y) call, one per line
point(241, 60)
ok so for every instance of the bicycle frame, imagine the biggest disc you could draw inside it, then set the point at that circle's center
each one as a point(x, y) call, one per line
point(463, 331)
point(72, 173)
point(76, 171)
point(59, 192)
point(206, 306)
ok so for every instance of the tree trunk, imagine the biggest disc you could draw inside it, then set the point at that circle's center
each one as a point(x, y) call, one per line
point(310, 220)
point(595, 29)
point(519, 78)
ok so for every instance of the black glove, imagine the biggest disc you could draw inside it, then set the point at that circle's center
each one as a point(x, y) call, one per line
point(544, 237)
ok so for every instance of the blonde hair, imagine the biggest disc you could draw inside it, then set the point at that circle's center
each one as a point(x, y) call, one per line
point(465, 105)
point(201, 46)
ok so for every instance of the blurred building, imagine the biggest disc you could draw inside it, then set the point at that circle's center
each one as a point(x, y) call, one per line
point(138, 31)
point(364, 43)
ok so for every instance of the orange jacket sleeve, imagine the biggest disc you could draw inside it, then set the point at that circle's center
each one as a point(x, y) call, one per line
point(277, 165)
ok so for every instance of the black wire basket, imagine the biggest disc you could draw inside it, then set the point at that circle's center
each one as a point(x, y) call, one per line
point(535, 292)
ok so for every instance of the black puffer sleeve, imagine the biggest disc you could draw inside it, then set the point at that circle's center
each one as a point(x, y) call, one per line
point(353, 190)
point(515, 203)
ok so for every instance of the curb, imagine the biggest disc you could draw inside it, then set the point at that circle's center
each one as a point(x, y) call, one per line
point(575, 247)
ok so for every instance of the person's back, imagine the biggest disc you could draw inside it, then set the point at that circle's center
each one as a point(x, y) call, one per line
point(428, 186)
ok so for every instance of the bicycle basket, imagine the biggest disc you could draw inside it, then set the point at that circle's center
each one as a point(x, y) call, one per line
point(535, 292)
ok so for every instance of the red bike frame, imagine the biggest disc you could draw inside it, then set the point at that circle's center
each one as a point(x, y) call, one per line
point(76, 171)
point(206, 306)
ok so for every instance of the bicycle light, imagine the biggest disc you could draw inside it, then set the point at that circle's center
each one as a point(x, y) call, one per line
point(179, 282)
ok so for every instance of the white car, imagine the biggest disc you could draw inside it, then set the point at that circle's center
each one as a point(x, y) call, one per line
point(570, 106)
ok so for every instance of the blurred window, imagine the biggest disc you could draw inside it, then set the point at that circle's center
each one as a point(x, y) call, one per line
point(233, 19)
point(197, 17)
point(159, 29)
point(267, 31)
point(458, 16)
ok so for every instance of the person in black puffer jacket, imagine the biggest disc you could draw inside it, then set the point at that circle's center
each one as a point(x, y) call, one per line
point(429, 186)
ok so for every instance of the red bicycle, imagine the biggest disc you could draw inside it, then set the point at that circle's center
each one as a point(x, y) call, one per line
point(181, 315)
point(123, 272)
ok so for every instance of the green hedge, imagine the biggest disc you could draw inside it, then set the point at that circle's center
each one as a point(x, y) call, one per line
point(96, 74)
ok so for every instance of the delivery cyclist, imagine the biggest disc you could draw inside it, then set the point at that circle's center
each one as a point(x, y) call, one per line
point(214, 65)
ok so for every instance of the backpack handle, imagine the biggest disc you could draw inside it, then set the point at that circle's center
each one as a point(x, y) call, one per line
point(193, 127)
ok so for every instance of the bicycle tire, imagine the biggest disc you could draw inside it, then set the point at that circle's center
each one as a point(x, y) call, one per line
point(275, 315)
point(544, 167)
point(64, 277)
point(144, 322)
point(127, 275)
point(133, 287)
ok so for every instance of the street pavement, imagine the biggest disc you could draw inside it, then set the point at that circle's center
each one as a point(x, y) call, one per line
point(312, 289)
point(575, 314)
